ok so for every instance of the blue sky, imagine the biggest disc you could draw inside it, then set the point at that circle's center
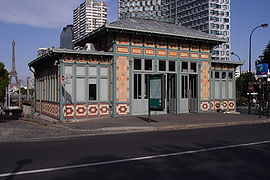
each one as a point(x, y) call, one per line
point(38, 23)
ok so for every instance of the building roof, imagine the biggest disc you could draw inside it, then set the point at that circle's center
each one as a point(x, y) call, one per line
point(153, 27)
point(57, 51)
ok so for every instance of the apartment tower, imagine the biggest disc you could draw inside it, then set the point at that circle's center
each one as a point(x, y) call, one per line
point(87, 17)
point(210, 16)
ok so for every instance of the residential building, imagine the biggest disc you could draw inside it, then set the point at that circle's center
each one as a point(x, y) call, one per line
point(66, 37)
point(113, 80)
point(87, 17)
point(210, 16)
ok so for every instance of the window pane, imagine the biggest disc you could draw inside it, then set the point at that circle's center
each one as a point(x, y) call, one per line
point(80, 90)
point(103, 89)
point(230, 75)
point(148, 65)
point(80, 71)
point(193, 67)
point(162, 65)
point(184, 66)
point(135, 84)
point(137, 64)
point(230, 89)
point(217, 75)
point(216, 89)
point(171, 65)
point(223, 90)
point(92, 92)
point(224, 75)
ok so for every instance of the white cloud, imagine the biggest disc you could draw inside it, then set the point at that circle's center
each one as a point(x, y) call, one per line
point(39, 13)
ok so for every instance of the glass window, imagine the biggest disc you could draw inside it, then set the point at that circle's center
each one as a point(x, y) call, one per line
point(80, 90)
point(92, 92)
point(193, 67)
point(217, 75)
point(171, 65)
point(137, 64)
point(184, 66)
point(162, 65)
point(224, 75)
point(148, 64)
point(230, 75)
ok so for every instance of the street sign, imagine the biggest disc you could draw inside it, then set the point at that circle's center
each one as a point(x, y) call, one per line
point(66, 79)
point(262, 69)
point(156, 92)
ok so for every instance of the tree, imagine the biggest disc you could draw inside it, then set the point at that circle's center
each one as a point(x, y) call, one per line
point(266, 54)
point(4, 80)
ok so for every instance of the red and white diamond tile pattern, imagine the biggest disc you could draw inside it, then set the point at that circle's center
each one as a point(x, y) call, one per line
point(122, 109)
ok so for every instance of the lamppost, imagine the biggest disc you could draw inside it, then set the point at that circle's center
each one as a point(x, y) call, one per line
point(249, 65)
point(232, 53)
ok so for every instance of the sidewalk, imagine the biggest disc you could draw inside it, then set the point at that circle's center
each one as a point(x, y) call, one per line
point(40, 129)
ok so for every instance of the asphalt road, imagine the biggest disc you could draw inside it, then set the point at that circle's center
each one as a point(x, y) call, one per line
point(238, 152)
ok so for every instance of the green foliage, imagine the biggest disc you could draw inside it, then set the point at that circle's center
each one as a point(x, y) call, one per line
point(3, 81)
point(266, 54)
point(242, 87)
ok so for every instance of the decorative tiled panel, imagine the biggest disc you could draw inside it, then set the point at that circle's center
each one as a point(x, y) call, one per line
point(231, 105)
point(205, 56)
point(104, 109)
point(173, 53)
point(173, 45)
point(184, 47)
point(81, 111)
point(194, 48)
point(149, 52)
point(161, 43)
point(161, 52)
point(82, 59)
point(205, 106)
point(225, 105)
point(205, 48)
point(122, 109)
point(194, 55)
point(93, 110)
point(38, 106)
point(137, 51)
point(50, 109)
point(122, 39)
point(184, 54)
point(68, 111)
point(124, 50)
point(205, 82)
point(137, 40)
point(122, 77)
point(223, 67)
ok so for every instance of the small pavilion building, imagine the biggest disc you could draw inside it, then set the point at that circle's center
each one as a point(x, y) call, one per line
point(108, 76)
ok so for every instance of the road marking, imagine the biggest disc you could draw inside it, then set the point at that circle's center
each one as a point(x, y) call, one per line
point(132, 159)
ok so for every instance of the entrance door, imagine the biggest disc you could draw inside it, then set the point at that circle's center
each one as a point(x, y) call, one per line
point(171, 93)
point(140, 99)
point(189, 93)
point(193, 93)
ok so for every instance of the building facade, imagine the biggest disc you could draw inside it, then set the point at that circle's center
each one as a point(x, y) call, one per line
point(87, 17)
point(113, 80)
point(66, 37)
point(142, 8)
point(210, 16)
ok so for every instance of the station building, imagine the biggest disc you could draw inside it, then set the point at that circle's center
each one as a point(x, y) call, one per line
point(110, 81)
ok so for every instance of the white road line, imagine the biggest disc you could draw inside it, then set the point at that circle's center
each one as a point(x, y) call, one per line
point(132, 159)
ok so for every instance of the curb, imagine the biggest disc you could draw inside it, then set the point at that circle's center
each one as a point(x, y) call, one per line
point(136, 129)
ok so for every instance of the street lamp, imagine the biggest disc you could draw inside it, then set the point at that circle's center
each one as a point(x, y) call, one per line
point(249, 65)
point(232, 53)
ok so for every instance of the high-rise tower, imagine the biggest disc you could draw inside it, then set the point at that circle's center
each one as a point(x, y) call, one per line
point(87, 17)
point(13, 73)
